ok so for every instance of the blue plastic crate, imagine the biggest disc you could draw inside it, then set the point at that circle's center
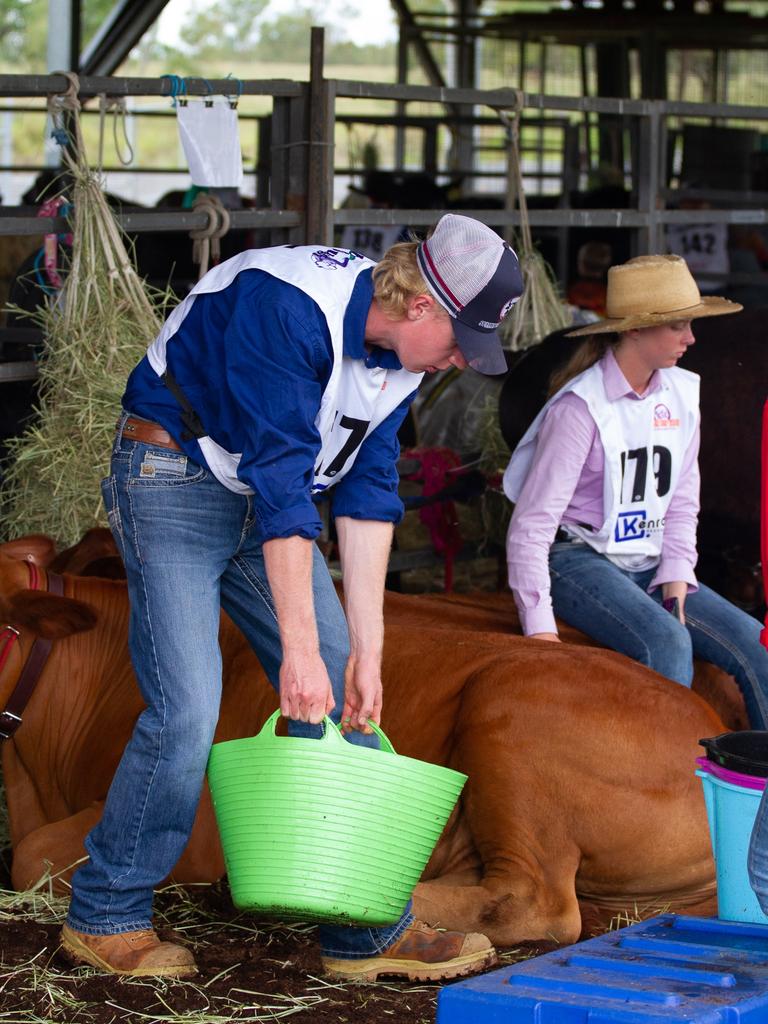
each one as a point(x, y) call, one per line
point(667, 970)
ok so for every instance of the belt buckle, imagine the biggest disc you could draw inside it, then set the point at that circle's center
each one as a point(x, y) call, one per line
point(9, 723)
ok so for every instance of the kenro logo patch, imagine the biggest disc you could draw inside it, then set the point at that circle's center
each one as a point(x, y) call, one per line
point(630, 526)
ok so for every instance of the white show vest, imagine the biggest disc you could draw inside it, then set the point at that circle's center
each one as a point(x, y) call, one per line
point(356, 399)
point(645, 442)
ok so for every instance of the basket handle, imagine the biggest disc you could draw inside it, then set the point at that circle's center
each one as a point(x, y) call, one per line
point(331, 732)
point(386, 743)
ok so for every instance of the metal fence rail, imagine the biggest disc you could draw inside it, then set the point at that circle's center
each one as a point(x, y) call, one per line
point(297, 167)
point(647, 217)
point(148, 220)
point(91, 86)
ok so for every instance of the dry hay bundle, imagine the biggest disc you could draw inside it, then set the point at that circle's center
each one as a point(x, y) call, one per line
point(540, 310)
point(94, 334)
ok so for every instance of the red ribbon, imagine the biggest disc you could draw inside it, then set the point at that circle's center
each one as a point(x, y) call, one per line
point(440, 518)
point(50, 208)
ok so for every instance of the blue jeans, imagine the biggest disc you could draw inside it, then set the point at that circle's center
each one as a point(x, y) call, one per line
point(189, 549)
point(614, 607)
point(757, 859)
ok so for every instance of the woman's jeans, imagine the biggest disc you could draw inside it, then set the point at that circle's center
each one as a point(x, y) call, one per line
point(757, 861)
point(614, 607)
point(189, 549)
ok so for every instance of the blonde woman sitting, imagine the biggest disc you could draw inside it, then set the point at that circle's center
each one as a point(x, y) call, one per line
point(606, 490)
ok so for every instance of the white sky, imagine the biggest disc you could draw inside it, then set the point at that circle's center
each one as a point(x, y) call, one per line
point(372, 22)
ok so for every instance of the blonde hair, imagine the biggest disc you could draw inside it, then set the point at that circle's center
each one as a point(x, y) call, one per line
point(592, 349)
point(397, 278)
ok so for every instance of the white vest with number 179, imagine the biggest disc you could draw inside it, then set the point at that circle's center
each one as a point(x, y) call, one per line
point(645, 441)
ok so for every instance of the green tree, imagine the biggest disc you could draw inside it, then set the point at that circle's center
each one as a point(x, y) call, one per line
point(211, 32)
point(24, 33)
point(24, 30)
point(344, 51)
point(286, 37)
point(225, 28)
point(94, 12)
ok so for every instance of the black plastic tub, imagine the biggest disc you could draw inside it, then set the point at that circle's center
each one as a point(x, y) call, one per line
point(745, 752)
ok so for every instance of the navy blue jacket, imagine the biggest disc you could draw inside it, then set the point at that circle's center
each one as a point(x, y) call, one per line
point(254, 360)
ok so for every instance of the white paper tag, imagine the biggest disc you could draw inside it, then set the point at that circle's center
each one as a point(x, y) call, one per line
point(211, 141)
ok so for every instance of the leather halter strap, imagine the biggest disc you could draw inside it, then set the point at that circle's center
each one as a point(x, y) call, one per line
point(10, 718)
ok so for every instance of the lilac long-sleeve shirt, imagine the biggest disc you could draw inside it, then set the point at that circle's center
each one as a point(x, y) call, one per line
point(565, 485)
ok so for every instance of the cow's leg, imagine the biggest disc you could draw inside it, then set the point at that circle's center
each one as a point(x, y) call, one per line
point(527, 856)
point(25, 810)
point(510, 896)
point(721, 692)
point(519, 885)
point(515, 903)
point(57, 848)
point(203, 859)
point(54, 849)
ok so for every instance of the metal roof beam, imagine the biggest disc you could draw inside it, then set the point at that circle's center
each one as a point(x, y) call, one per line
point(120, 31)
point(733, 30)
point(415, 36)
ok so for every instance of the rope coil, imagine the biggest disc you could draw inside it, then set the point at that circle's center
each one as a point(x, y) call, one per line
point(61, 104)
point(116, 105)
point(206, 248)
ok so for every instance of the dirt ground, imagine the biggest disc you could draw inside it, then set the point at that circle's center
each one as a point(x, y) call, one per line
point(249, 970)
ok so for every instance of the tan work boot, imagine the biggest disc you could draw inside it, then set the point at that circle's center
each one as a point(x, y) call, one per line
point(140, 954)
point(420, 954)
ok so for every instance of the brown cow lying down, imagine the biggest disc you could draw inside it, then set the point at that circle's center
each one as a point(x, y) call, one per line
point(96, 555)
point(580, 761)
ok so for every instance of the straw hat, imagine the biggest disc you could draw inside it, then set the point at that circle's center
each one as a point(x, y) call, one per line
point(652, 290)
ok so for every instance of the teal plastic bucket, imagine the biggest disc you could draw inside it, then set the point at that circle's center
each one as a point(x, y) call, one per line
point(321, 830)
point(731, 811)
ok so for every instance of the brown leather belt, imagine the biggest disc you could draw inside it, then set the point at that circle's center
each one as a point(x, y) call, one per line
point(150, 433)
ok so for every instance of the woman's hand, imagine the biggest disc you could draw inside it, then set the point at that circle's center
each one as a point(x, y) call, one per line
point(676, 589)
point(553, 638)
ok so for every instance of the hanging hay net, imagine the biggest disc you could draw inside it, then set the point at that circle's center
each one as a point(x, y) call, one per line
point(94, 334)
point(540, 310)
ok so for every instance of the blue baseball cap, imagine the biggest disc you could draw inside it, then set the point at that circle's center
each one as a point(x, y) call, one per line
point(475, 276)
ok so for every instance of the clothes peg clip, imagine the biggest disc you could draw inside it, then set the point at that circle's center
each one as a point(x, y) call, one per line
point(233, 100)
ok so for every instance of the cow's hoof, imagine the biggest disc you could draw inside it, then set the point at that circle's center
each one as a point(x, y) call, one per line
point(420, 954)
point(138, 953)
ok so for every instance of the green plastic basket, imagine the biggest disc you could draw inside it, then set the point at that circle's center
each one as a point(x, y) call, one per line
point(322, 830)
